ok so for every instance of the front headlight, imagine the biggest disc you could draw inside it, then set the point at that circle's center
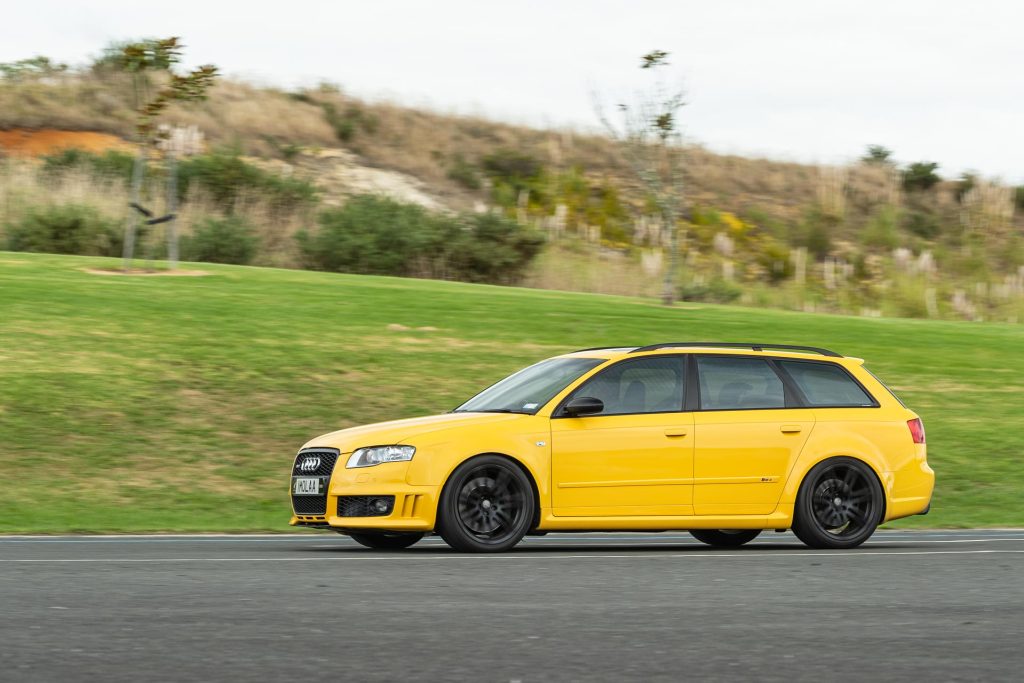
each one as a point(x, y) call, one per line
point(375, 455)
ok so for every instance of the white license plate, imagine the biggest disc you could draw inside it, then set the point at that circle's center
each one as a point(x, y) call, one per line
point(306, 486)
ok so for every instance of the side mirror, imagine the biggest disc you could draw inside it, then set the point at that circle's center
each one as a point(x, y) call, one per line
point(584, 405)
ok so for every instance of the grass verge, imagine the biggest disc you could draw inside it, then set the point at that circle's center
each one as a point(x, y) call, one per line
point(177, 403)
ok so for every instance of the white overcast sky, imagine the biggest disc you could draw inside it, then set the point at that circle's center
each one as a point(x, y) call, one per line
point(804, 80)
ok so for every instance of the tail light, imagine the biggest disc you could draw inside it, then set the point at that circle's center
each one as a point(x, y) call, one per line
point(916, 429)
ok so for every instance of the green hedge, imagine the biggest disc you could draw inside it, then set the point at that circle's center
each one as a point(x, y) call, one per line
point(65, 229)
point(376, 235)
point(221, 240)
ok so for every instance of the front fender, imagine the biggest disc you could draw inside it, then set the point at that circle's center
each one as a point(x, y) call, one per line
point(439, 453)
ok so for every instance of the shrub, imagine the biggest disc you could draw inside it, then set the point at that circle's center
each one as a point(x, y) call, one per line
point(348, 122)
point(227, 177)
point(774, 258)
point(376, 235)
point(920, 176)
point(369, 234)
point(923, 224)
point(65, 229)
point(512, 172)
point(880, 231)
point(817, 232)
point(110, 164)
point(716, 291)
point(464, 173)
point(1018, 197)
point(221, 240)
point(493, 248)
point(877, 154)
point(511, 165)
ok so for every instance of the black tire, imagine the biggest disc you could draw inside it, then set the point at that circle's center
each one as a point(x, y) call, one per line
point(487, 506)
point(386, 540)
point(725, 538)
point(839, 505)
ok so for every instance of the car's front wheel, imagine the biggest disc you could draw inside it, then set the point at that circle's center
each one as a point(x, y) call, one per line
point(839, 505)
point(487, 506)
point(386, 540)
point(725, 538)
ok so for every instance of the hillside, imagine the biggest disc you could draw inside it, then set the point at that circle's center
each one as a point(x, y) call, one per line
point(177, 402)
point(868, 239)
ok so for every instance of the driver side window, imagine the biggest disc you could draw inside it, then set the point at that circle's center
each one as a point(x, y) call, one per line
point(644, 385)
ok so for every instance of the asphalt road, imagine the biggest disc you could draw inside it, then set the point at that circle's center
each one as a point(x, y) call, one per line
point(921, 605)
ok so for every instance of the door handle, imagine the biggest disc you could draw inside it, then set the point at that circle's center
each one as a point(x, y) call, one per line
point(791, 429)
point(676, 431)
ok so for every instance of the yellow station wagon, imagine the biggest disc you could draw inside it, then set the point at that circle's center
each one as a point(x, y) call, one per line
point(722, 440)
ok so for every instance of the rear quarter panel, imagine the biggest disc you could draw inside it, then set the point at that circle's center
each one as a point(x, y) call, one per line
point(877, 436)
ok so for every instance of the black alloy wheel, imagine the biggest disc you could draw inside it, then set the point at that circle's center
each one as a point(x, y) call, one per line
point(386, 540)
point(487, 505)
point(725, 538)
point(839, 505)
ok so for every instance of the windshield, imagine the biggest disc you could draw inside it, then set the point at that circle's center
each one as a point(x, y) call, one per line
point(529, 389)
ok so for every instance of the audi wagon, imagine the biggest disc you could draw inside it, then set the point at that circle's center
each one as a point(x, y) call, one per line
point(721, 440)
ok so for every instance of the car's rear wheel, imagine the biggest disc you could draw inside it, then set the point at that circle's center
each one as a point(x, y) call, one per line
point(386, 540)
point(839, 505)
point(725, 538)
point(487, 506)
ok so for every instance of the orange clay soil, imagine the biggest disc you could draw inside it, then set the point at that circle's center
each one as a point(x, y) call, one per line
point(23, 142)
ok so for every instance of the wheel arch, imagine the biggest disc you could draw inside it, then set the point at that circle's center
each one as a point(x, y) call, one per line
point(517, 462)
point(797, 482)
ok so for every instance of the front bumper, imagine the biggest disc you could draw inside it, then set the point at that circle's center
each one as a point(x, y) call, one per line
point(414, 507)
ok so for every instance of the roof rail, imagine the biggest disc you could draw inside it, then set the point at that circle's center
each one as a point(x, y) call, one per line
point(605, 348)
point(739, 345)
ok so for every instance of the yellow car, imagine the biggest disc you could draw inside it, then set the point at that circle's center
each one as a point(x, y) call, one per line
point(722, 440)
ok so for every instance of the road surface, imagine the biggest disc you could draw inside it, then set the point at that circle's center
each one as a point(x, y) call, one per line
point(938, 605)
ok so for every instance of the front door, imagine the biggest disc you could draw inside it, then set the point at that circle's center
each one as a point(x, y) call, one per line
point(746, 438)
point(636, 456)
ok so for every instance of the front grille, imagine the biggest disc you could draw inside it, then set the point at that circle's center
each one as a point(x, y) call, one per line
point(326, 459)
point(309, 505)
point(359, 506)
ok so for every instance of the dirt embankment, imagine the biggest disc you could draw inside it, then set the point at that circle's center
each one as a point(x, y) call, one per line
point(22, 142)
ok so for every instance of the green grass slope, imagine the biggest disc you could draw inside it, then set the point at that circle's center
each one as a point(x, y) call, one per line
point(177, 403)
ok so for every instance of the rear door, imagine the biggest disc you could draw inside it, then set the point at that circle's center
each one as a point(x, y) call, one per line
point(749, 429)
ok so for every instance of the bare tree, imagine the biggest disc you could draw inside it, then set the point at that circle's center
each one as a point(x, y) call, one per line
point(648, 128)
point(148, 61)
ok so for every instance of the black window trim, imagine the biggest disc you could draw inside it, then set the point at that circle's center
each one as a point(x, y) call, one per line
point(806, 403)
point(559, 412)
point(793, 397)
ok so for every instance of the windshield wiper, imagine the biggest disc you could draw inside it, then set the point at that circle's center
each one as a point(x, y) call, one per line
point(499, 410)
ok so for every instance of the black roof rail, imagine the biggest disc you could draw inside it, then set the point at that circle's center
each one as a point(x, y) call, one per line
point(739, 345)
point(605, 348)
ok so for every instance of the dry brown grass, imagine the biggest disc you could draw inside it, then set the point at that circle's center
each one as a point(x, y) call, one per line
point(419, 142)
point(24, 187)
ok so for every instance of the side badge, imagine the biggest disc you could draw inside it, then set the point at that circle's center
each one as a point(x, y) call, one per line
point(542, 443)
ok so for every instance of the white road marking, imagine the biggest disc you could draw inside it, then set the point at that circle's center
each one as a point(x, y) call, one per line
point(891, 537)
point(409, 557)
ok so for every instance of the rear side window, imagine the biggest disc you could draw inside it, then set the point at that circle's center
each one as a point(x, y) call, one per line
point(736, 383)
point(826, 385)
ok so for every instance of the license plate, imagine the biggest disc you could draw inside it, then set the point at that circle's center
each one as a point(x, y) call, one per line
point(306, 486)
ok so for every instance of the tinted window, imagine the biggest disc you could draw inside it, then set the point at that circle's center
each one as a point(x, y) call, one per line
point(732, 383)
point(825, 384)
point(646, 385)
